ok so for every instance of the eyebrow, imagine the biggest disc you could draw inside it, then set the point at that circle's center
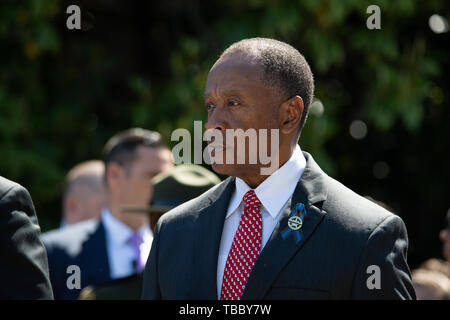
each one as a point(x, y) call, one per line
point(225, 93)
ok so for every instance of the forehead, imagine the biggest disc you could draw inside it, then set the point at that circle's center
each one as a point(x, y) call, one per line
point(234, 73)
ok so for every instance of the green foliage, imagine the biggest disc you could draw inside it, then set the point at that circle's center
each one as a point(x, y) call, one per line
point(63, 93)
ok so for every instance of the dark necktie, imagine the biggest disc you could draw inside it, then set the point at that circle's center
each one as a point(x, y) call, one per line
point(136, 242)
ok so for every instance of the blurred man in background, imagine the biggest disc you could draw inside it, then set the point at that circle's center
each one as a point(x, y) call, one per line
point(430, 285)
point(23, 265)
point(116, 245)
point(431, 279)
point(84, 192)
point(437, 265)
point(170, 189)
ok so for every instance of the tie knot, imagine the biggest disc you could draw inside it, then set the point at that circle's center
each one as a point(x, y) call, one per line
point(251, 199)
point(135, 239)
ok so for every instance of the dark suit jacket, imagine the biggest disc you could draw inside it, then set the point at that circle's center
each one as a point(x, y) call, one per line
point(127, 288)
point(342, 235)
point(23, 260)
point(82, 245)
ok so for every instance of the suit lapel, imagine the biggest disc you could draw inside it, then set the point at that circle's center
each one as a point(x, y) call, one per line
point(96, 257)
point(208, 233)
point(311, 191)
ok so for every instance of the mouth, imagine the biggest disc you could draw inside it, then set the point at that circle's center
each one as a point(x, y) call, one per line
point(217, 150)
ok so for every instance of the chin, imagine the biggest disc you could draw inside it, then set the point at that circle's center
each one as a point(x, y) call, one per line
point(220, 168)
point(235, 170)
point(224, 169)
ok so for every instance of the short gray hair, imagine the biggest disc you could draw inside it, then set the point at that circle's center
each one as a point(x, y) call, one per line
point(283, 67)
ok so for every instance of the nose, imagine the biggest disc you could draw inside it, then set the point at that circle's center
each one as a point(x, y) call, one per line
point(215, 120)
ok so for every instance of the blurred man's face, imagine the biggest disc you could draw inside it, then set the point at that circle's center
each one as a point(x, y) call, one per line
point(84, 205)
point(427, 292)
point(445, 238)
point(236, 98)
point(93, 205)
point(135, 185)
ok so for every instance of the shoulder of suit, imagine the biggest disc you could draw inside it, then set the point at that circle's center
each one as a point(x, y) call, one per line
point(7, 185)
point(13, 198)
point(351, 211)
point(192, 208)
point(70, 238)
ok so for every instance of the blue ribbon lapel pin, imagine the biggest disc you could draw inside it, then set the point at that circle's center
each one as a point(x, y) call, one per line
point(295, 222)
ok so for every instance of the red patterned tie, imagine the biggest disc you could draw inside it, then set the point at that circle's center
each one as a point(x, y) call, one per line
point(244, 250)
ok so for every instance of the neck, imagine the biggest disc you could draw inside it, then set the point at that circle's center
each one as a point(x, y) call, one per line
point(253, 181)
point(132, 220)
point(254, 178)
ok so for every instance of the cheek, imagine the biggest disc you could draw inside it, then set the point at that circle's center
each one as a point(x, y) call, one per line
point(144, 186)
point(261, 118)
point(131, 188)
point(245, 122)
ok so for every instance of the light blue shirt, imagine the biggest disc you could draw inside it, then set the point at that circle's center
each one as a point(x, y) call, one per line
point(121, 254)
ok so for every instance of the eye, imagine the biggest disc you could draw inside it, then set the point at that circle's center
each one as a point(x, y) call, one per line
point(209, 106)
point(233, 102)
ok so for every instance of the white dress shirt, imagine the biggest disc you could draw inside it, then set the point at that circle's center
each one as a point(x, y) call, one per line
point(274, 193)
point(121, 254)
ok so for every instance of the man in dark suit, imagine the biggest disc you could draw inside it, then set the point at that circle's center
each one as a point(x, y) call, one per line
point(117, 244)
point(23, 260)
point(170, 189)
point(294, 234)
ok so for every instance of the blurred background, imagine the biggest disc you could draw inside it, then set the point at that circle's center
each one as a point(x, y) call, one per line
point(379, 123)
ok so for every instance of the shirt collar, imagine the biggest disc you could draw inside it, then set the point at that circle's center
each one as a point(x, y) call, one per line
point(119, 232)
point(276, 190)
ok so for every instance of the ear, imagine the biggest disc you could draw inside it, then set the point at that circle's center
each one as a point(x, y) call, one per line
point(114, 175)
point(71, 204)
point(290, 115)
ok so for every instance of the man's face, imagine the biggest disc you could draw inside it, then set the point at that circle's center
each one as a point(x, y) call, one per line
point(83, 203)
point(135, 186)
point(90, 206)
point(236, 98)
point(94, 204)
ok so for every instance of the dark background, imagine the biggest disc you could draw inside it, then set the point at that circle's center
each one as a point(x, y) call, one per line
point(63, 92)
